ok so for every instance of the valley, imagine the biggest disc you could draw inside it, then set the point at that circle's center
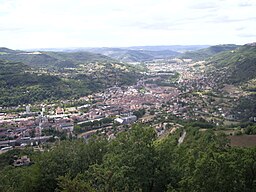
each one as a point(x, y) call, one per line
point(98, 92)
point(127, 96)
point(171, 105)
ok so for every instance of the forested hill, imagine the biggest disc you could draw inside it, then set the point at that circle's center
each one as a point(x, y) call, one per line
point(236, 66)
point(130, 55)
point(20, 84)
point(52, 59)
point(4, 50)
point(203, 54)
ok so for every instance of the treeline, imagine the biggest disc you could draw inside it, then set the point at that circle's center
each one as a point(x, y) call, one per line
point(136, 161)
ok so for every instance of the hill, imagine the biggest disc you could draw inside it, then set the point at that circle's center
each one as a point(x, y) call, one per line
point(21, 84)
point(238, 68)
point(135, 53)
point(203, 54)
point(51, 59)
point(4, 50)
point(18, 86)
point(176, 48)
point(131, 55)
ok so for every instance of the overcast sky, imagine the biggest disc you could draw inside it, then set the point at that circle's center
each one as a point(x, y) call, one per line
point(96, 23)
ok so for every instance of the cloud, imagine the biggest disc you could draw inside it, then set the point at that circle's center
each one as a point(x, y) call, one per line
point(48, 23)
point(7, 6)
point(204, 5)
point(247, 3)
point(227, 19)
point(247, 35)
point(158, 26)
point(240, 28)
point(10, 29)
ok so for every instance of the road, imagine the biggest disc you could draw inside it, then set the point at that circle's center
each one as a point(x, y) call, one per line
point(181, 139)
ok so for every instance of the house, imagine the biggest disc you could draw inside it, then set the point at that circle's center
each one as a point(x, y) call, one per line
point(126, 120)
point(67, 126)
point(59, 111)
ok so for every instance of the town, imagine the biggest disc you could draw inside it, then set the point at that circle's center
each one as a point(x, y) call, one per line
point(171, 87)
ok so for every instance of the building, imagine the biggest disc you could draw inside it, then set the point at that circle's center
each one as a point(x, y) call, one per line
point(28, 109)
point(126, 120)
point(67, 126)
point(59, 111)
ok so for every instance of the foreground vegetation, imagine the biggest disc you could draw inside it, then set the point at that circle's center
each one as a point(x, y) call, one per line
point(135, 161)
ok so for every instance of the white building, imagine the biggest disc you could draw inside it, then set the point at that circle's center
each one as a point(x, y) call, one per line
point(126, 120)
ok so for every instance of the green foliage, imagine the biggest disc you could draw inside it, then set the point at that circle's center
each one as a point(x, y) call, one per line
point(87, 126)
point(203, 54)
point(139, 113)
point(138, 161)
point(235, 66)
point(69, 158)
point(200, 124)
point(18, 179)
point(129, 164)
point(245, 107)
point(67, 184)
point(167, 79)
point(53, 60)
point(8, 157)
point(19, 85)
point(129, 55)
point(22, 179)
point(250, 130)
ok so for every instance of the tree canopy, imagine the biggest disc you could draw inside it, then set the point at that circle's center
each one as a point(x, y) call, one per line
point(136, 161)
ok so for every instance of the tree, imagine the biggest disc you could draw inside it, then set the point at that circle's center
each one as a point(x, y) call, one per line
point(130, 162)
point(70, 157)
point(66, 184)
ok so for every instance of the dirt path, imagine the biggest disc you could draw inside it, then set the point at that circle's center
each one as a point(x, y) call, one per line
point(181, 139)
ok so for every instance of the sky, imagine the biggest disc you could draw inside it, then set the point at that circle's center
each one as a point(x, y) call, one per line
point(26, 24)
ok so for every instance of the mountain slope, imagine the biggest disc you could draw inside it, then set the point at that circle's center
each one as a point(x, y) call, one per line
point(20, 84)
point(203, 54)
point(176, 48)
point(135, 53)
point(51, 59)
point(236, 66)
point(130, 55)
